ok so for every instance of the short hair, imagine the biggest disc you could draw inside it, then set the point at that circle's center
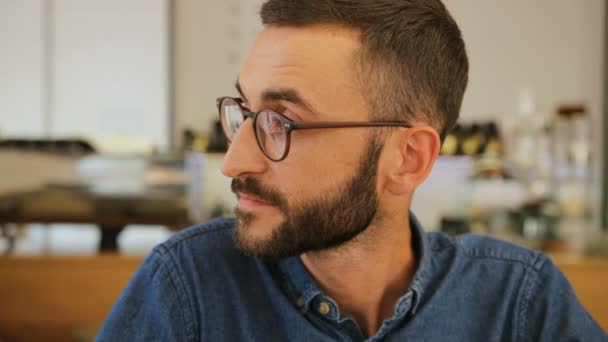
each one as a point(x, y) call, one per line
point(412, 62)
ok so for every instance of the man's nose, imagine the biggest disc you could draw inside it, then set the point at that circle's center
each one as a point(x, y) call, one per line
point(244, 155)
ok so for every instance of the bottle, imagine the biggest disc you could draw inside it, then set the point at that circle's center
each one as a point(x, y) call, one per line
point(572, 153)
point(493, 144)
point(489, 163)
point(451, 142)
point(571, 141)
point(529, 148)
point(474, 141)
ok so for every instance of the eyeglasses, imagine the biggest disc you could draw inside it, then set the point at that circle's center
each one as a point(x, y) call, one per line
point(273, 130)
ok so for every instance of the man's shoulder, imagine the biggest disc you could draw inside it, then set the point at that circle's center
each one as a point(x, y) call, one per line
point(211, 239)
point(479, 248)
point(511, 285)
point(217, 230)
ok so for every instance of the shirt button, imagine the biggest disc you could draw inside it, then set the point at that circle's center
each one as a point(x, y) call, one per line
point(324, 308)
point(300, 302)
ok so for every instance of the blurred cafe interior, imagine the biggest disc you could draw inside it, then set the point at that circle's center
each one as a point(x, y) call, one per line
point(110, 143)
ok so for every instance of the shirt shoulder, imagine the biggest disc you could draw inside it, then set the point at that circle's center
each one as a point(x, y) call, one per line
point(168, 297)
point(201, 239)
point(478, 248)
point(159, 302)
point(204, 256)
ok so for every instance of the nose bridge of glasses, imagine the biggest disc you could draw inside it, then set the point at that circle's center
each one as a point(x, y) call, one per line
point(246, 128)
point(248, 114)
point(244, 139)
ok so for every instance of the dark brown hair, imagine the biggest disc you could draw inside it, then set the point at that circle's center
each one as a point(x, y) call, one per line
point(412, 62)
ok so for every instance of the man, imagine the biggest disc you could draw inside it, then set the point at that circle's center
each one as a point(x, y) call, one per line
point(341, 111)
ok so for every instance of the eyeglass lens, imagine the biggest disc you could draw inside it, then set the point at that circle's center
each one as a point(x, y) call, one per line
point(231, 116)
point(271, 134)
point(270, 130)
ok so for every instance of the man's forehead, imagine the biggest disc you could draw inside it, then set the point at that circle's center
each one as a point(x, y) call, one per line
point(310, 45)
point(315, 59)
point(316, 34)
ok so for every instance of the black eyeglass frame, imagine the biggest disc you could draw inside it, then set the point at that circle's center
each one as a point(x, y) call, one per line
point(291, 125)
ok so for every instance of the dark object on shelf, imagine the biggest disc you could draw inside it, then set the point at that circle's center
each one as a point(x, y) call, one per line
point(571, 111)
point(188, 138)
point(474, 140)
point(455, 225)
point(218, 143)
point(493, 143)
point(537, 220)
point(71, 147)
point(452, 144)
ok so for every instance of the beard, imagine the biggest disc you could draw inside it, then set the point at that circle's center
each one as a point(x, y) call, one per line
point(326, 222)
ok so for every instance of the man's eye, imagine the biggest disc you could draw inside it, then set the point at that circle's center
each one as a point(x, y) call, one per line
point(275, 126)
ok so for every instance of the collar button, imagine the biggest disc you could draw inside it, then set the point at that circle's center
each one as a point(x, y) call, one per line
point(324, 308)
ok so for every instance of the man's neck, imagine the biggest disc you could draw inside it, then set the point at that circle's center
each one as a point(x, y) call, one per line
point(367, 276)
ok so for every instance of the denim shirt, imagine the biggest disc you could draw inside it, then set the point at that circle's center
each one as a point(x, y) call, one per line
point(197, 287)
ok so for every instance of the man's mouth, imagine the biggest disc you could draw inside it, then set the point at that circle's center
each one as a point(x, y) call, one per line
point(248, 201)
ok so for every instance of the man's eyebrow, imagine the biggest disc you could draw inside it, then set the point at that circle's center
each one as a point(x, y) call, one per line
point(273, 95)
point(287, 95)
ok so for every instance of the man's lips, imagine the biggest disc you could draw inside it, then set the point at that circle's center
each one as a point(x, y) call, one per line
point(249, 201)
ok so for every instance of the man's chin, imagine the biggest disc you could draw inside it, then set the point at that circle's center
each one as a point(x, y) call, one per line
point(254, 246)
point(253, 236)
point(253, 233)
point(255, 224)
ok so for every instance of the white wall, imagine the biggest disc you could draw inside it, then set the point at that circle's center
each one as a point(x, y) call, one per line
point(110, 69)
point(554, 46)
point(21, 67)
point(93, 68)
point(211, 41)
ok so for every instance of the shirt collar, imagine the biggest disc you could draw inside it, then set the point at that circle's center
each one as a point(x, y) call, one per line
point(305, 290)
point(423, 255)
point(301, 284)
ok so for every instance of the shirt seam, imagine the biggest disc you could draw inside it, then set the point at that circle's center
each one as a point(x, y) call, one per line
point(164, 251)
point(532, 268)
point(524, 303)
point(533, 263)
point(178, 284)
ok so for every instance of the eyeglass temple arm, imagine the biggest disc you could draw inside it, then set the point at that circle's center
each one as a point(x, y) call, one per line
point(313, 125)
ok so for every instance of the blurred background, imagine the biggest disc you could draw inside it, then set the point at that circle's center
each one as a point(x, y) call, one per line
point(109, 142)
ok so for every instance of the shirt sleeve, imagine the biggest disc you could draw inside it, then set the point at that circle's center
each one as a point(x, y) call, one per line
point(551, 311)
point(152, 307)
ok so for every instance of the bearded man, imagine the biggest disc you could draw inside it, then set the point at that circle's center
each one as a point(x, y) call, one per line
point(341, 110)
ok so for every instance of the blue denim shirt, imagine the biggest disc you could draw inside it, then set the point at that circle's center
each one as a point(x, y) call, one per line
point(198, 287)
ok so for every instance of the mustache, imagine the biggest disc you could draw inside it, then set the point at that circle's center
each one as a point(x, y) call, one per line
point(255, 188)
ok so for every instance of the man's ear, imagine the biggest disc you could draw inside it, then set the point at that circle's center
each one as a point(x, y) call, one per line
point(416, 150)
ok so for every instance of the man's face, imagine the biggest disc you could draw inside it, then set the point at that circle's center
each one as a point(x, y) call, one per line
point(325, 192)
